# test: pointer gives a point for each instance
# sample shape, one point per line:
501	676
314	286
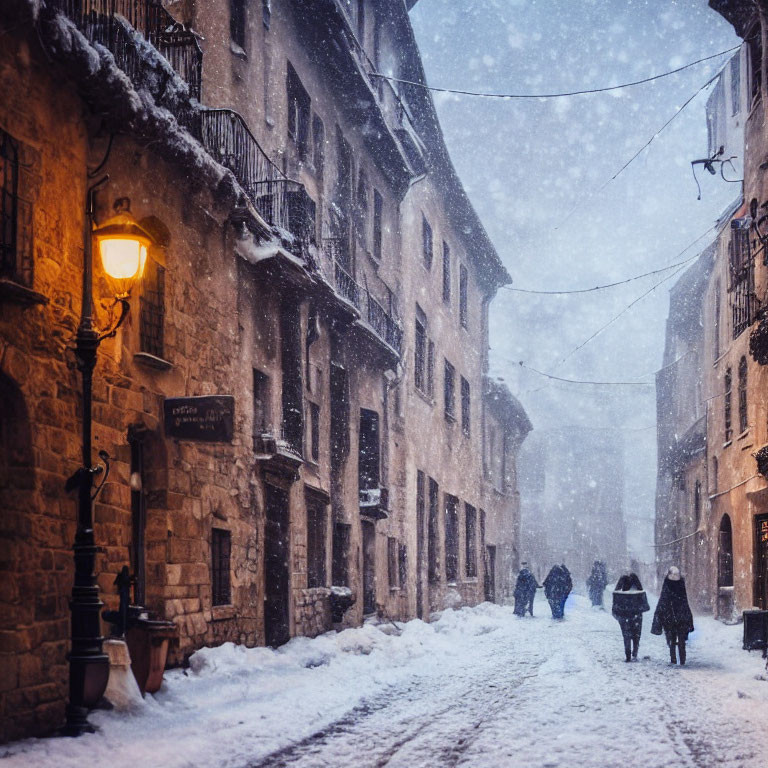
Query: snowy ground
479	687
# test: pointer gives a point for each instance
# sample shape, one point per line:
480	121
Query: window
446	273
402	565
345	182
426	242
292	378
430	368
318	146
340	566
735	84
727	405
470	520
221	546
315	544
419	351
314	417
755	43
725	553
392	569
697	504
152	309
463	303
237	22
433	560
742	273
713	484
15	215
451	538
362	208
361	21
298	112
368	459
378	207
266	12
465	413
716	324
449	391
260	405
743	395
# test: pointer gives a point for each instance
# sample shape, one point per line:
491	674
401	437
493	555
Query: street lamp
123	249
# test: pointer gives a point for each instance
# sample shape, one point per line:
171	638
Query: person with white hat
673	614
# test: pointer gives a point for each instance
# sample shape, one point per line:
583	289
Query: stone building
717	527
315	270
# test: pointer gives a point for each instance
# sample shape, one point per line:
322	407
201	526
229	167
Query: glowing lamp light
123	245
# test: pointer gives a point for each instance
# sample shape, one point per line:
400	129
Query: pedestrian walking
557	587
525	591
673	614
629	604
597	581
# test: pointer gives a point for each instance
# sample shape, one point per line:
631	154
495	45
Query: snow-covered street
479	687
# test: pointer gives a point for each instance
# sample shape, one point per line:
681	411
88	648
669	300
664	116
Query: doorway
369	567
276	574
490	574
761	561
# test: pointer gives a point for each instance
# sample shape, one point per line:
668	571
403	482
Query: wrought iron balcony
346	285
383	325
283	203
104	22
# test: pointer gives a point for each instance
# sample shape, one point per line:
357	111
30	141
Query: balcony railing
346	286
383	325
283	203
103	22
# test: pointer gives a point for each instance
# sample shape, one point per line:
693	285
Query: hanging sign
208	418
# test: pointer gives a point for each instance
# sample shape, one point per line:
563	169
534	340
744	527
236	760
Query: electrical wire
599	287
580	381
634	157
639	298
552	95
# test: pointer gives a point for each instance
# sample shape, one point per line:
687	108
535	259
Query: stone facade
287	271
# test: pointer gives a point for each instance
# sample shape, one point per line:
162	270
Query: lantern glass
123	258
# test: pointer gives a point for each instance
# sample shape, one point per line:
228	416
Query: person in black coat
629	604
525	591
557	587
597	582
673	614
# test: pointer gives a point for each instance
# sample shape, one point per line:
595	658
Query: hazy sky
527	163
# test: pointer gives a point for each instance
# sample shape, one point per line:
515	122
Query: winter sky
536	171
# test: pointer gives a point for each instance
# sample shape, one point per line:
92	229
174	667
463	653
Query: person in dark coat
597	582
525	591
629	604
557	587
673	615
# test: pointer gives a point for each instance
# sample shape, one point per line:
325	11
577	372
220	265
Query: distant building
572	498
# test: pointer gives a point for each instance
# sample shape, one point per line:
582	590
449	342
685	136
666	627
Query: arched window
725	554
742	395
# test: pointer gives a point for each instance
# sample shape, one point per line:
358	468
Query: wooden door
369	567
761	561
276	573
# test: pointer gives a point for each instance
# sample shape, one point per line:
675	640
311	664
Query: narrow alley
478	687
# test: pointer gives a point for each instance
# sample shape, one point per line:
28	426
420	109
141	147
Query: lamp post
123	247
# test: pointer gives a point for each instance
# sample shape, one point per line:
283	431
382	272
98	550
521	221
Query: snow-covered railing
103	22
283	203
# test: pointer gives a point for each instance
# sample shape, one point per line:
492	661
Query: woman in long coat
525	591
629	604
557	587
673	614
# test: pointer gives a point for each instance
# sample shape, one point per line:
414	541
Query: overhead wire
598	287
581	381
555	95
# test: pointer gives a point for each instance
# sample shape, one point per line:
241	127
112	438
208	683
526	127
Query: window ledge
222	612
152	361
727	443
237	51
17	293
425	397
743	434
394	589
